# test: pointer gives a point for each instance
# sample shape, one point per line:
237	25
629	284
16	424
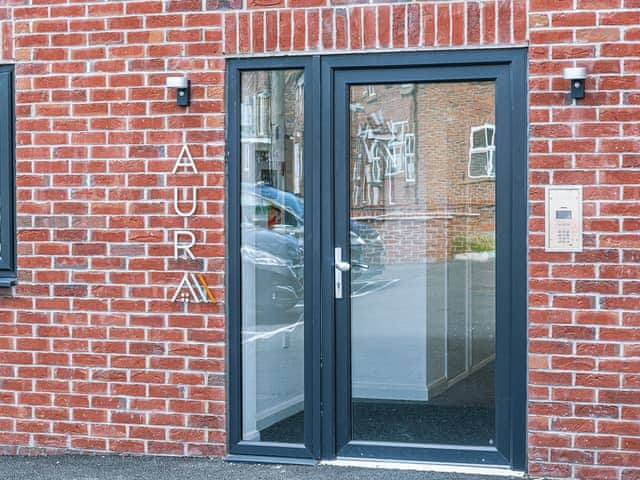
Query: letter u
194	201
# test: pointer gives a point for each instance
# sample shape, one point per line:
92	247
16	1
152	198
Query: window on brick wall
7	177
482	152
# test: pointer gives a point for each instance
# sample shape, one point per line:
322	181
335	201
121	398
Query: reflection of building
272	124
410	145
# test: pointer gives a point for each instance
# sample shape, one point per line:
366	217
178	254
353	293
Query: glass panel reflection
423	255
272	127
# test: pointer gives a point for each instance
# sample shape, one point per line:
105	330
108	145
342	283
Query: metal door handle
340	267
343	266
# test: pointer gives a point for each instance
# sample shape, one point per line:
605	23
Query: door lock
340	267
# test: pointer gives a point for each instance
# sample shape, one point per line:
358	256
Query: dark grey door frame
507	67
240	449
326	185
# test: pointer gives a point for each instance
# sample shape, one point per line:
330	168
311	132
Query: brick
443	23
285	30
413	24
355	28
489	22
594	473
384	25
327	28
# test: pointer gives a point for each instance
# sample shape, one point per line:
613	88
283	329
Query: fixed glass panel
422	235
272	253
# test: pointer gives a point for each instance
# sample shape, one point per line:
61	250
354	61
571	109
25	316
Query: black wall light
577	76
183	90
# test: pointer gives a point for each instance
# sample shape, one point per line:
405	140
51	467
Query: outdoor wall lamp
183	90
577	76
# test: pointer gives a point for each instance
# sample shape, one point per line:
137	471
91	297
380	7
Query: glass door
376	269
423	235
422	248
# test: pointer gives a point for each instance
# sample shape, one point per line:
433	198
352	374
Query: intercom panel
563	218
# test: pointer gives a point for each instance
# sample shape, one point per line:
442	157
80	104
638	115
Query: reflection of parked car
367	248
272	251
273	243
276	261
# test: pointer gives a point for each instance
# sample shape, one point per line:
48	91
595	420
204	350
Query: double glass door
376	256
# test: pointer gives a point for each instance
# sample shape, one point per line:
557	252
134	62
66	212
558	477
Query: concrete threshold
113	467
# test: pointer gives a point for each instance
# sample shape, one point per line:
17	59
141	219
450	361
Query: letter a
185	160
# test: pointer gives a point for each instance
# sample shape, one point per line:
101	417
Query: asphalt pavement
89	467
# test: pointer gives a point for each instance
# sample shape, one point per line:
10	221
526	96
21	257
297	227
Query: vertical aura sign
193	287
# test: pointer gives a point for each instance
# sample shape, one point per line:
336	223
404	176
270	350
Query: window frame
7	176
240	449
489	150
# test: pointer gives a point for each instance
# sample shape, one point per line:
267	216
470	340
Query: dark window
7	177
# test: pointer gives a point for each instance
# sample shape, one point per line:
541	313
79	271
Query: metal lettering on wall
193	287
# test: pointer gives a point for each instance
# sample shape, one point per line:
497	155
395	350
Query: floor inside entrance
463	415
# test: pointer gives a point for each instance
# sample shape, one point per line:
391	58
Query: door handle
340	267
343	266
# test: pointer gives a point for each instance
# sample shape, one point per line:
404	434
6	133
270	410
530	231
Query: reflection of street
265	333
360	288
425	324
273	321
275	348
413	327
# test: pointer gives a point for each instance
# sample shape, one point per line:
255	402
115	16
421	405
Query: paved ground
83	467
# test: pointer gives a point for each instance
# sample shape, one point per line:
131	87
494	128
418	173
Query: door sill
425	467
269	459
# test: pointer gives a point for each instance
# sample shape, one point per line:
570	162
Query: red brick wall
584	358
94	356
327	26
